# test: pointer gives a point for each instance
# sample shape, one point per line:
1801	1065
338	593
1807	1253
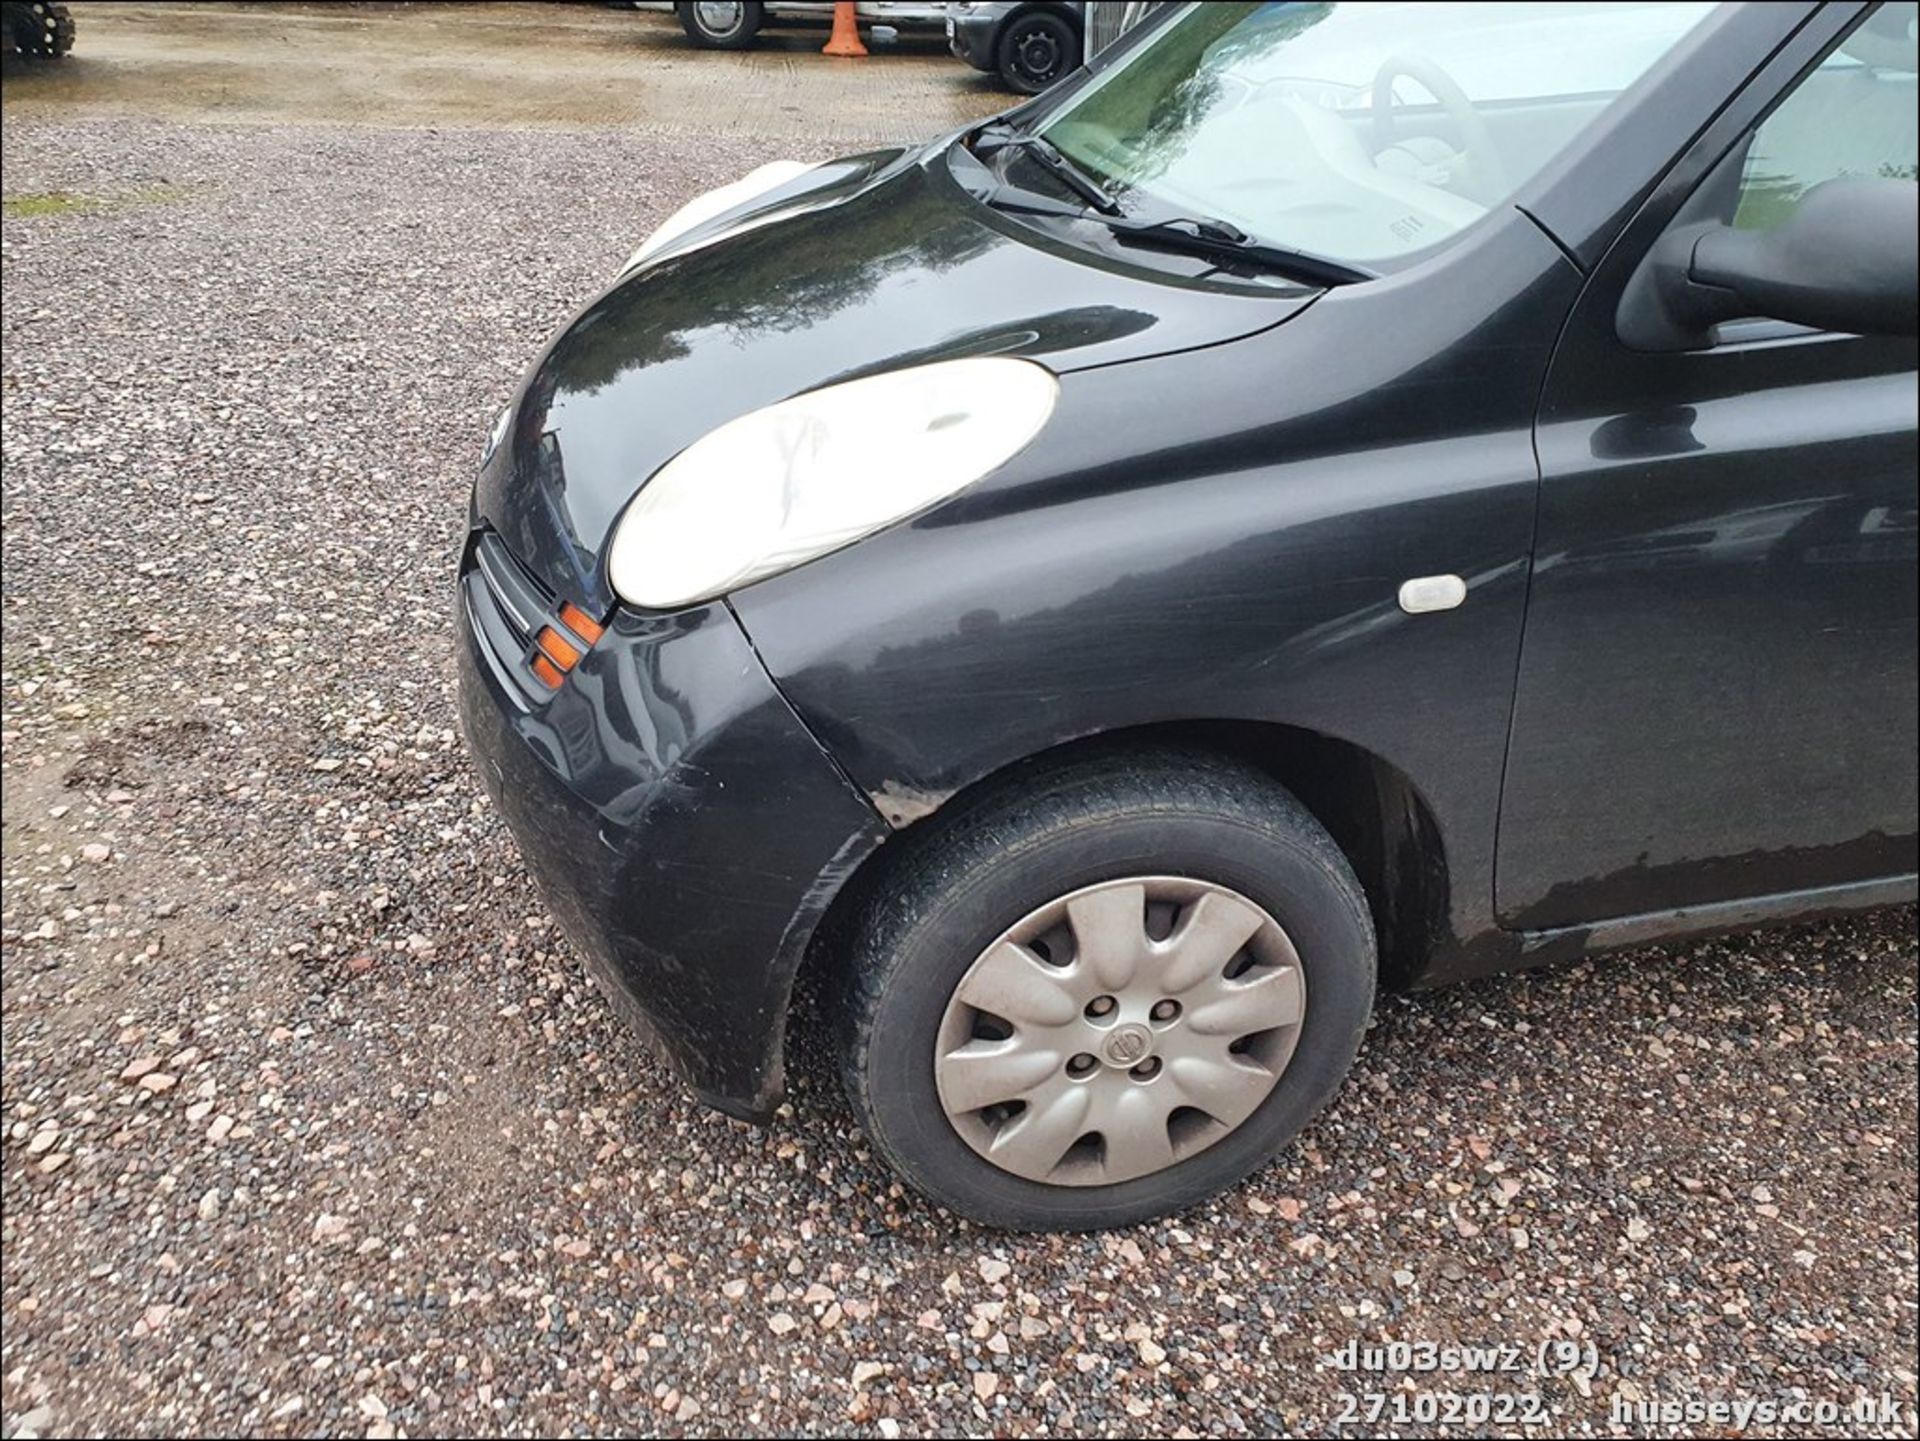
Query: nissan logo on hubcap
1128	1045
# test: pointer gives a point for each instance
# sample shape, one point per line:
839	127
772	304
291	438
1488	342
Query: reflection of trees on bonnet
787	276
1172	89
1071	328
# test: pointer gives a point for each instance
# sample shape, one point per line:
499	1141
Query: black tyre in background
721	26
1037	46
38	29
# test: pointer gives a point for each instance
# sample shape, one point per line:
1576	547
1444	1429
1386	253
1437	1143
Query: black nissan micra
1331	496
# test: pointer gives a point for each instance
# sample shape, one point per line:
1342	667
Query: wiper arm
1213	239
1226	241
1217	239
1049	158
1068	174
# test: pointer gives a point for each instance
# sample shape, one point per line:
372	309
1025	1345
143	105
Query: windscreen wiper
1220	239
1049	158
1205	237
1209	239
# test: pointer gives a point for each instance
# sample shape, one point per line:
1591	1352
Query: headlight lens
784	485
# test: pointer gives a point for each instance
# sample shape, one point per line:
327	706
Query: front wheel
1107	993
719	26
1036	48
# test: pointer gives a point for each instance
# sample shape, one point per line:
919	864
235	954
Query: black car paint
1230	571
640	794
1209	532
1763	490
918	272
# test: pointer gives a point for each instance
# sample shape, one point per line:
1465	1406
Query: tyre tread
1030	805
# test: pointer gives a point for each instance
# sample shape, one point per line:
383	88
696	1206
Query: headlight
703	208
784	485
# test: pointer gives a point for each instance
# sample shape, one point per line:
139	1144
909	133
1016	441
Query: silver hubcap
719	19
1118	1030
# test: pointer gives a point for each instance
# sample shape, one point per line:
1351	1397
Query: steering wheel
1486	176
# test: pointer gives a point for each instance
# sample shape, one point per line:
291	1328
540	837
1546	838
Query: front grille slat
510	609
494	638
521	598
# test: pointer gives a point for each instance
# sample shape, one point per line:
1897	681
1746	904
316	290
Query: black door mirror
1848	259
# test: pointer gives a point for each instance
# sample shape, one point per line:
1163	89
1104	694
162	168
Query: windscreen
1360	132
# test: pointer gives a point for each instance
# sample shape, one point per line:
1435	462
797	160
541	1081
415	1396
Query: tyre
1036	48
41	30
1105	991
721	26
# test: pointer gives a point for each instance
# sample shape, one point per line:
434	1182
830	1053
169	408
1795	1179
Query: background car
1028	45
735	24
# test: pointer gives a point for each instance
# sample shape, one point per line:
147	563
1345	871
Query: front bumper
971	38
683	826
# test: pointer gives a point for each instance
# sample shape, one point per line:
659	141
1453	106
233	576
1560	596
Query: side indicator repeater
1427	593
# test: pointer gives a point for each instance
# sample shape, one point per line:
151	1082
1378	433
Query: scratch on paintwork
902	805
827	884
793	940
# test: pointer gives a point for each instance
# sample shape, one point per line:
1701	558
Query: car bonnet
895	266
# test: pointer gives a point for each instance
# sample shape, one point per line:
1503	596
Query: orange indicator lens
580	623
561	651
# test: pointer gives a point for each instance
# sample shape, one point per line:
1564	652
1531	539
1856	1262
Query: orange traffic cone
846	34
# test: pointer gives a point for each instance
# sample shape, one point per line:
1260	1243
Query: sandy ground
490	65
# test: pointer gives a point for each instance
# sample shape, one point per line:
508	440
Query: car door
1716	692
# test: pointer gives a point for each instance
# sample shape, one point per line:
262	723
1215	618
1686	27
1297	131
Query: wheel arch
1373	810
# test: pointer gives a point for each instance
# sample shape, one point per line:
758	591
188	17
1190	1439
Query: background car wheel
721	26
42	30
1036	48
1106	990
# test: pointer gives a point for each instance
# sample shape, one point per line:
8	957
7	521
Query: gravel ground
313	1125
